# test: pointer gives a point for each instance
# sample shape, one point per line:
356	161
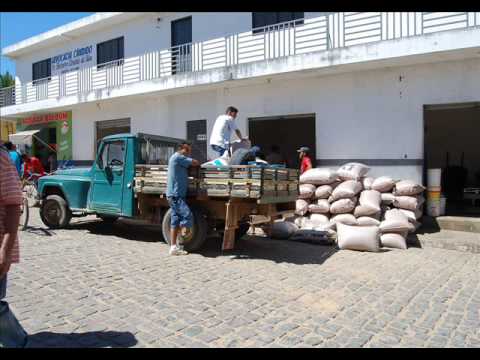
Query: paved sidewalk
100	286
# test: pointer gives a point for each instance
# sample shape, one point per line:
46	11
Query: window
41	70
262	19
113	154
109	51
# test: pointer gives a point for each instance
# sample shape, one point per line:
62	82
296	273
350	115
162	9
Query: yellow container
433	195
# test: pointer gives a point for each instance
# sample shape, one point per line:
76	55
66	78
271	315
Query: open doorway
452	144
289	133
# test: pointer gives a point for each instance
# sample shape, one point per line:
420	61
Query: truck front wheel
55	213
199	231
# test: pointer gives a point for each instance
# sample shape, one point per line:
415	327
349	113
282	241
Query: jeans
181	214
12	333
220	150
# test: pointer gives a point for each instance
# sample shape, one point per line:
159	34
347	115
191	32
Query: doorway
181	31
289	133
451	144
197	135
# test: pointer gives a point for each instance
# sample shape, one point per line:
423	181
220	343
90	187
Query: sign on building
72	60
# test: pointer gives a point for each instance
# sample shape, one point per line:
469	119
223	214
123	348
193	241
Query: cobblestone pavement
94	285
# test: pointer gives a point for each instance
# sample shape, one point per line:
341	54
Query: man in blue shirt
14	156
177	186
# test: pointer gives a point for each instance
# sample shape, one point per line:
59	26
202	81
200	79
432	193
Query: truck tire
200	228
55	213
241	157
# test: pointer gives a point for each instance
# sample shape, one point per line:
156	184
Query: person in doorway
305	161
15	157
275	157
32	167
177	185
52	162
222	131
11	332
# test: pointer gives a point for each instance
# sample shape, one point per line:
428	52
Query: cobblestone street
94	285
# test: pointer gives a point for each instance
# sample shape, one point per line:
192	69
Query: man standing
11	332
32	165
222	131
177	186
305	161
14	156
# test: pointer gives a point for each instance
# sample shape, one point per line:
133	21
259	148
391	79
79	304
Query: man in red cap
305	161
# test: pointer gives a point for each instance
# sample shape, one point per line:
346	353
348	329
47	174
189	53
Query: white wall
360	115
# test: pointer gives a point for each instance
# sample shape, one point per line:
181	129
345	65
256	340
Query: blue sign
72	60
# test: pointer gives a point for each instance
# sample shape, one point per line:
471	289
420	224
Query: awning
23	137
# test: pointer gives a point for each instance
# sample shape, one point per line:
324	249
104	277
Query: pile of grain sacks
364	213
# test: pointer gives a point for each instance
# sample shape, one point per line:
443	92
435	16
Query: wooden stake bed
231	193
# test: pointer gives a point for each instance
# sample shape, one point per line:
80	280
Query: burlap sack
283	229
370	199
394	240
352	171
343	206
347	219
367	221
363	238
301	207
412	203
323	192
318	176
383	184
387	198
346	190
321	207
407	188
319	219
367	183
306	191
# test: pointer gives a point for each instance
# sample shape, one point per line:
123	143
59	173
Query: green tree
6	80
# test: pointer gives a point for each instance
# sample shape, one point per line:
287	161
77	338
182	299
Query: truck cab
105	188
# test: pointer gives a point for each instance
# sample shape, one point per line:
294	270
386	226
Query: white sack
383	184
306	191
395	222
283	229
367	183
412	215
362	210
394	240
412	203
343	206
347	189
387	198
352	171
370	199
347	219
302	222
363	238
407	188
321	207
367	221
323	191
301	206
318	176
319	219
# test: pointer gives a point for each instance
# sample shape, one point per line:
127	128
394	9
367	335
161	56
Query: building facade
352	86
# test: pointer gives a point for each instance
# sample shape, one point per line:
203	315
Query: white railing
301	36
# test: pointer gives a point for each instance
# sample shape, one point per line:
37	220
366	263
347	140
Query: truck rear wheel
55	213
199	231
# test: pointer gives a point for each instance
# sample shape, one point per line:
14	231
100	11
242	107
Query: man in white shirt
222	131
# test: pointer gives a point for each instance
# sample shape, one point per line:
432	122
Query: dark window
181	44
42	70
109	51
262	19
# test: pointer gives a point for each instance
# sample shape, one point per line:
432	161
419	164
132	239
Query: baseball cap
304	149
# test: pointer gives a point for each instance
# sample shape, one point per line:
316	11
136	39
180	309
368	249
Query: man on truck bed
177	185
222	131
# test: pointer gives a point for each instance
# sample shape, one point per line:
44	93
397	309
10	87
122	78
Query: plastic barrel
434	178
433	207
443	205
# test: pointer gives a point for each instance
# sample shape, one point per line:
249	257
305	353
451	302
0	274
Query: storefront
52	139
7	127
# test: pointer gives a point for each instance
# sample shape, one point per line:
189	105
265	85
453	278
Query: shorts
181	214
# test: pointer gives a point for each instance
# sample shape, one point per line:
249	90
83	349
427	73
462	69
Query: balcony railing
336	30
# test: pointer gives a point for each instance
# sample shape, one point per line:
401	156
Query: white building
352	86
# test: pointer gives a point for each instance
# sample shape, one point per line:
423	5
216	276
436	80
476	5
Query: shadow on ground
95	339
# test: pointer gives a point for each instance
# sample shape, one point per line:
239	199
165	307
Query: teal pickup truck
128	180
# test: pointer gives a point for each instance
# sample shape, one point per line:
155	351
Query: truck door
108	177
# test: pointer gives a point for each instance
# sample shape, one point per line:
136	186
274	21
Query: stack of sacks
394	229
349	197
